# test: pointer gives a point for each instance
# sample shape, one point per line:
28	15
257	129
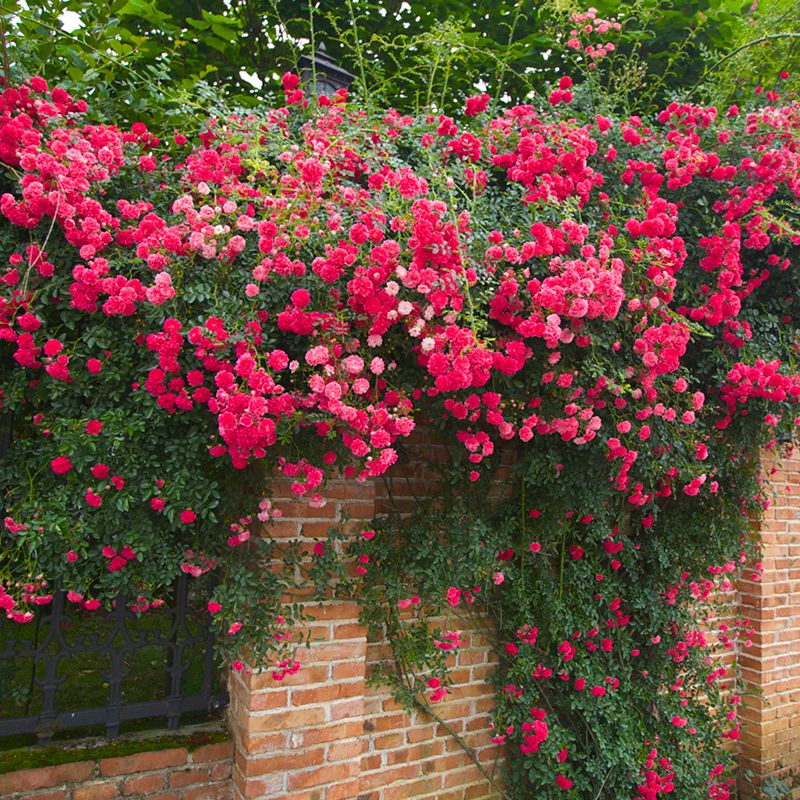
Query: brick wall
325	733
174	774
382	753
414	756
770	740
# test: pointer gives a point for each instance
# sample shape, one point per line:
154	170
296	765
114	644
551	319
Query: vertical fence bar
175	651
114	702
51	622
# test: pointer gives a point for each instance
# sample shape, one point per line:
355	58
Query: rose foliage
609	302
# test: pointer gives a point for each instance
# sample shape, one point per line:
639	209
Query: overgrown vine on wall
296	292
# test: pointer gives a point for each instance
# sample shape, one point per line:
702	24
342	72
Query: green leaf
227	33
198	24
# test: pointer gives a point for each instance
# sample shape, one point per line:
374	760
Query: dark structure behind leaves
73	669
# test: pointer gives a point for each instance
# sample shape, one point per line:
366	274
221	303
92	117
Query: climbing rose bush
293	294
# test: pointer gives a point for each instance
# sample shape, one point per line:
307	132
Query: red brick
349	790
221	791
323	775
285	762
27	779
283	720
343	670
330	511
414	789
391	722
263	743
188	777
318	631
346	709
353	630
58	794
285	529
323	694
459	777
479	724
95	791
143	784
455	710
264	701
344	730
258	787
420	733
337	611
221	771
386	777
371	762
479	791
212	752
361	509
339	651
339	751
418	752
389	741
144	762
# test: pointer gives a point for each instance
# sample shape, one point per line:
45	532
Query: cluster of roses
350	289
588	24
418	284
615	642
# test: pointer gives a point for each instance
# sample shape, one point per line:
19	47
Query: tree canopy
154	59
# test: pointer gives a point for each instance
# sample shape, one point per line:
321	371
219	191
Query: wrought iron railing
158	665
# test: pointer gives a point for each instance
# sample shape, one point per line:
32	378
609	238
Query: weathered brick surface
29	779
326	733
770	741
339	738
143	784
143	762
212	752
96	791
172	774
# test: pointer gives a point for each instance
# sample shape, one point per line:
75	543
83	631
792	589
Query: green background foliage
161	60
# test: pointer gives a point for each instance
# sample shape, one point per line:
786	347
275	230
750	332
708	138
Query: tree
151	59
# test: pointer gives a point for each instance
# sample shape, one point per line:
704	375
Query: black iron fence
76	669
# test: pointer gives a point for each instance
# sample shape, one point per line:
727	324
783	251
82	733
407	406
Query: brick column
321	734
298	738
770	740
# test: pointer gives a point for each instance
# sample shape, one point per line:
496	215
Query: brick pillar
299	738
770	740
320	734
